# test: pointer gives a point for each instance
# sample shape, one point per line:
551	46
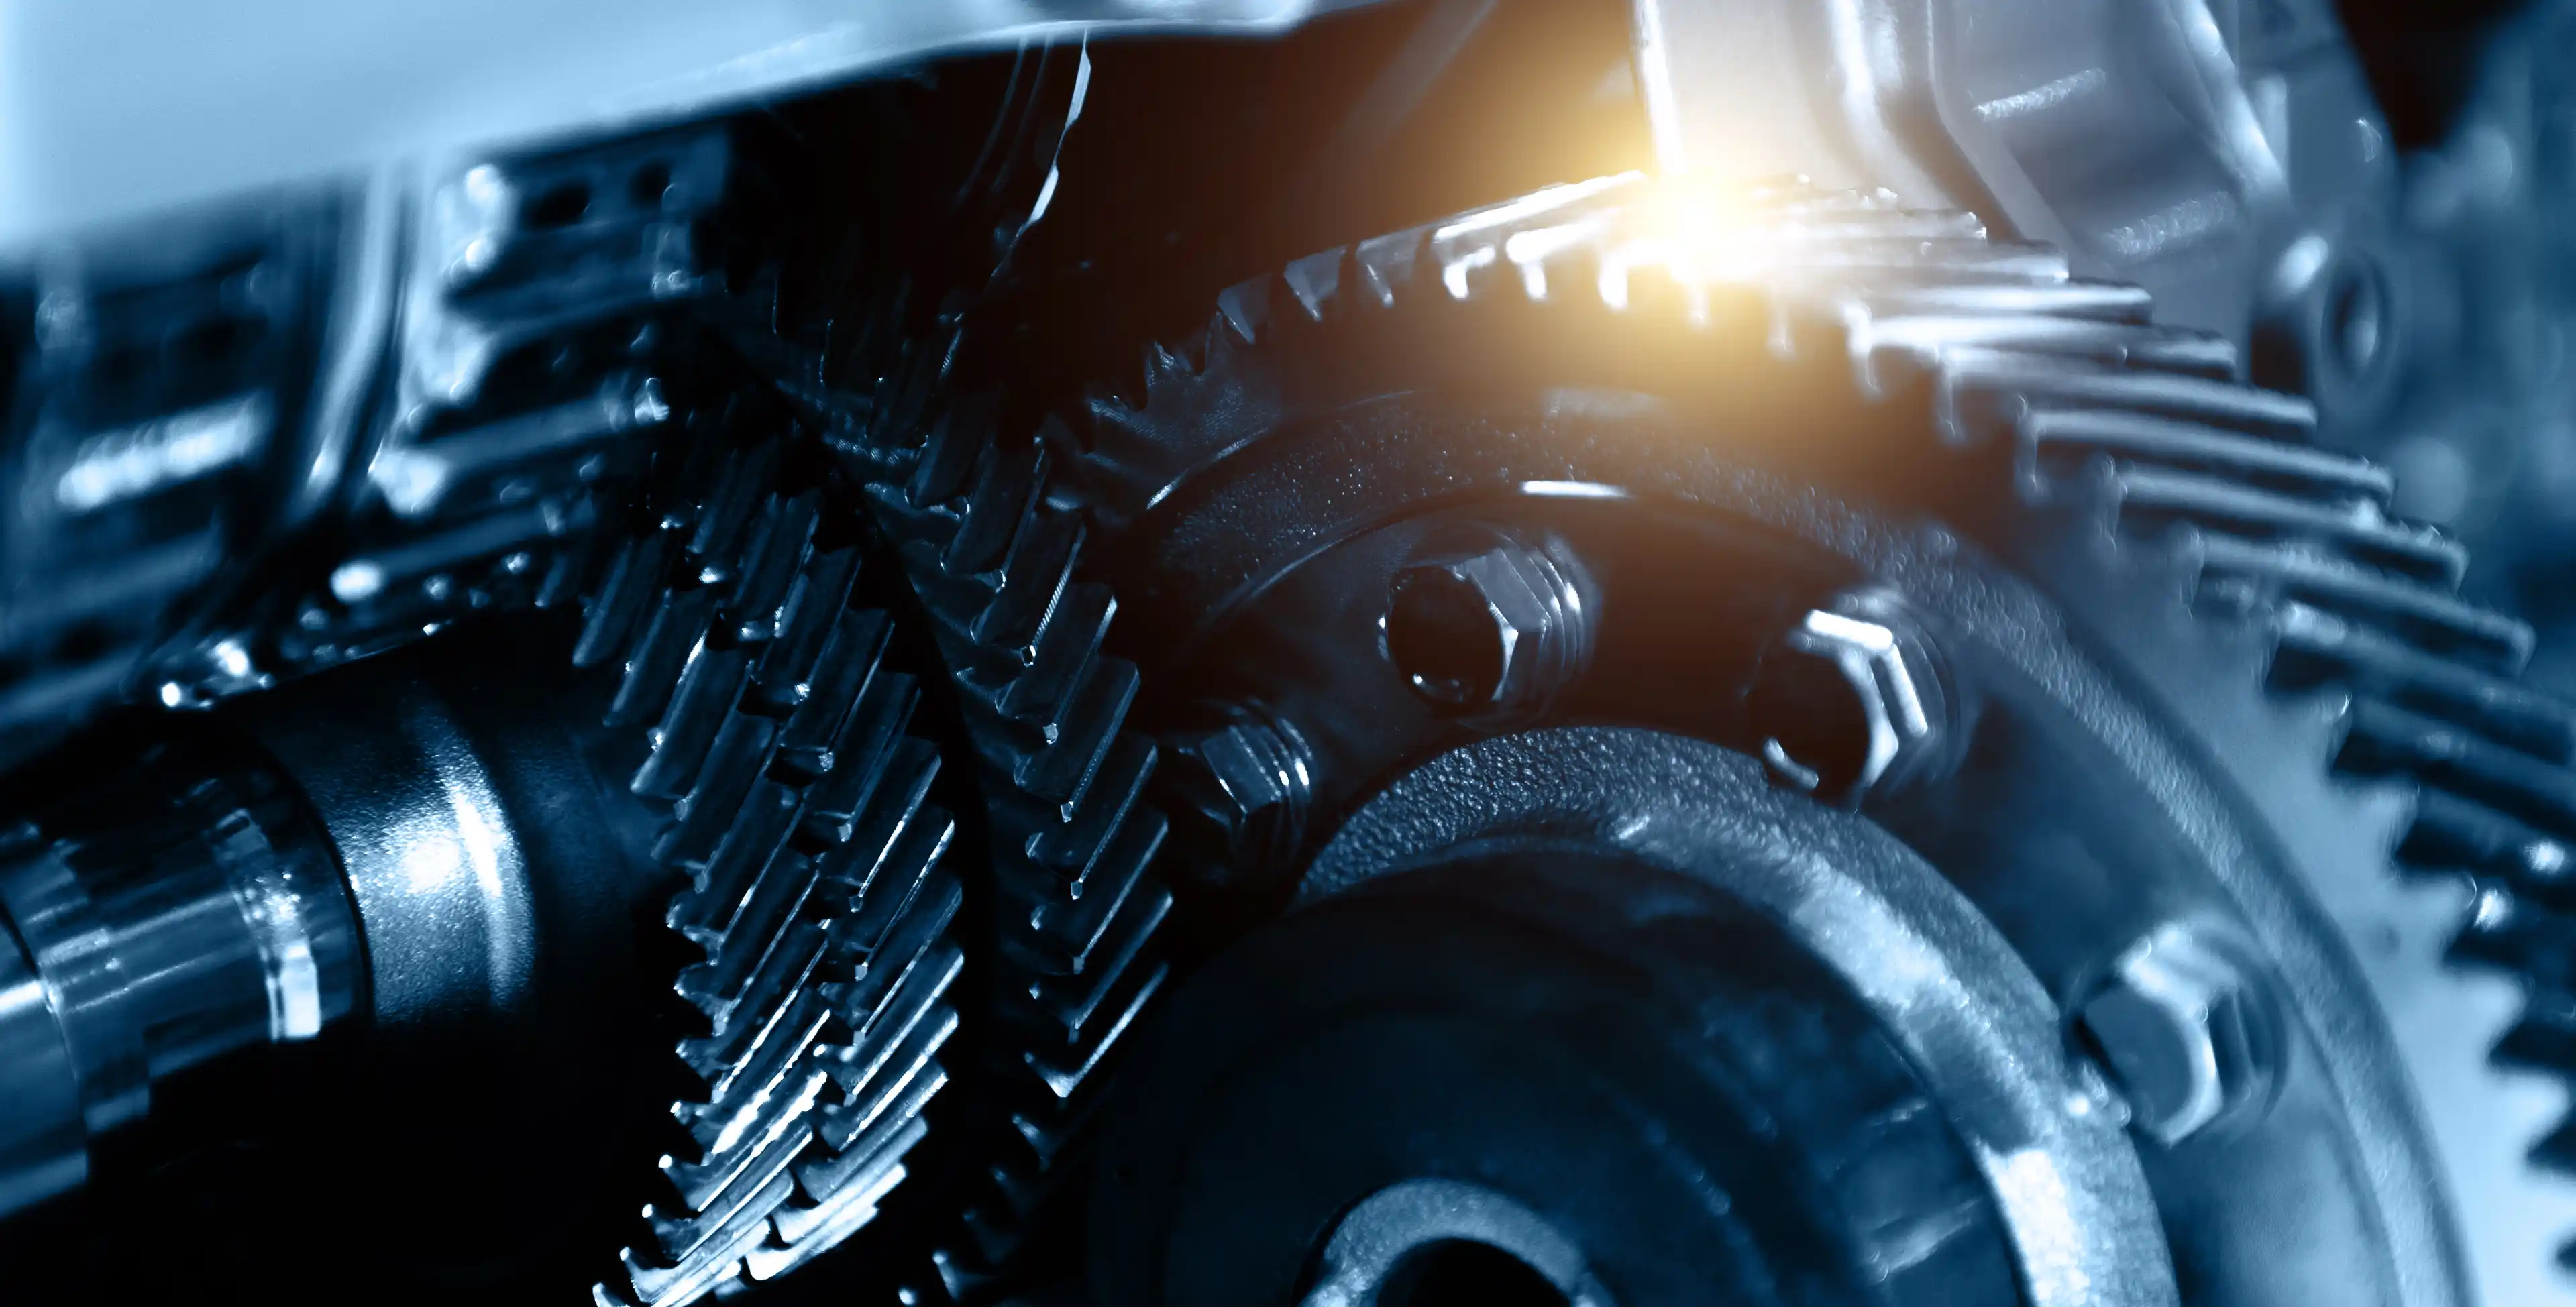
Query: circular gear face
2171	641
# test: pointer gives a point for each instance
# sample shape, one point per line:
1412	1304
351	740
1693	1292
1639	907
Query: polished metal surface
2186	1033
1853	699
433	864
1488	626
1251	782
190	914
43	1136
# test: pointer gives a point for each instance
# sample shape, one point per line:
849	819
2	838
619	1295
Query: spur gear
2251	587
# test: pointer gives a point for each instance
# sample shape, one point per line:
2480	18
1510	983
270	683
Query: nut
1486	625
1853	700
2185	1033
1248	785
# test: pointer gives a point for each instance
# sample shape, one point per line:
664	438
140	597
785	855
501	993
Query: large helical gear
2433	791
817	871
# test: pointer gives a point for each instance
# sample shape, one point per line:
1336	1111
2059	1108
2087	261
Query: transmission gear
2197	548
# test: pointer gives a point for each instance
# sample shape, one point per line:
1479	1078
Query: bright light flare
1697	232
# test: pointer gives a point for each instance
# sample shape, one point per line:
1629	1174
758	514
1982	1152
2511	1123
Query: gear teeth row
819	896
996	556
2097	409
2296	544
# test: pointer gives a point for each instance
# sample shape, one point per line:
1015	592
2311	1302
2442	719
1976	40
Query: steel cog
818	879
2312	642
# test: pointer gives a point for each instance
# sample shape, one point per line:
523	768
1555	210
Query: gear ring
2102	420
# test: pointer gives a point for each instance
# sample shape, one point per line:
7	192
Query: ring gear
2294	579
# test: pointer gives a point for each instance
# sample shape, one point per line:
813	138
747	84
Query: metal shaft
190	911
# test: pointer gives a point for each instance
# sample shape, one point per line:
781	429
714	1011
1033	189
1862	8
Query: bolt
1244	789
2186	1034
1486	625
1853	701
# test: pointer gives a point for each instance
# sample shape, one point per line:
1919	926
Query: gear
994	555
2107	428
818	888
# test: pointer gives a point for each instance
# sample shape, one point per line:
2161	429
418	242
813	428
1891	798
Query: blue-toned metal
121	108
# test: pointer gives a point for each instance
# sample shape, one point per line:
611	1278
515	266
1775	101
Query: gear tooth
1168	368
777	546
728	509
710	683
1316	281
2450	835
806	1229
756	930
762	1117
878	1033
680	1238
673	1286
902	942
948	459
764	1016
1034	575
1063	659
1245	308
1104	1021
959	1277
2385	738
762	818
1064	768
2049	341
2181	445
2055	384
814	603
624	596
1072	849
893	806
1384	266
1076	1001
2257	573
1074	930
2516	1251
897	1072
871	747
852	655
678	624
2154	497
2099	301
1004	482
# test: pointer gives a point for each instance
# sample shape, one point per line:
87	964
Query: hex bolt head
1854	700
1486	625
2187	1034
1244	790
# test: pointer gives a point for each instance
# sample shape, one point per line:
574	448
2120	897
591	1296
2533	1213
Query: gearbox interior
1182	653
